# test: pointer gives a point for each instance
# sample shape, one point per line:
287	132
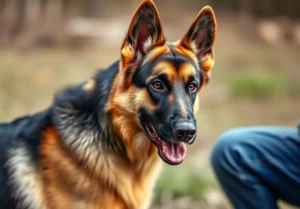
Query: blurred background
46	45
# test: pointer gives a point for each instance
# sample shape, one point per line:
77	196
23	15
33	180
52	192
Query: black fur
27	131
76	112
167	114
88	110
84	124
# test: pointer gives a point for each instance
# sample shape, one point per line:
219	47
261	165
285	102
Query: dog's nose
185	131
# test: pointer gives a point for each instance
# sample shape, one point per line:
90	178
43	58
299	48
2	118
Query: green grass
258	85
184	180
29	78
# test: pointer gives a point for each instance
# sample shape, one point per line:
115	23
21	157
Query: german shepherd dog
101	143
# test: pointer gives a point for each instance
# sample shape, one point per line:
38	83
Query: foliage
258	85
186	181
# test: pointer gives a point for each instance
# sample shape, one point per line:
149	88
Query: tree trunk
20	17
246	15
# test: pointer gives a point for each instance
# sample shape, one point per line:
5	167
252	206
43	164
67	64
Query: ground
252	84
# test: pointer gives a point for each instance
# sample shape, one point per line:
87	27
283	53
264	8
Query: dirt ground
29	76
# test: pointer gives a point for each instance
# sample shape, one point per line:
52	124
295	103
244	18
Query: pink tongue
174	152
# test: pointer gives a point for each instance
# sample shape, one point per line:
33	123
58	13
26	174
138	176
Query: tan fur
186	52
158	51
186	70
25	178
116	184
171	98
196	104
206	63
186	47
90	85
105	179
166	68
128	55
183	109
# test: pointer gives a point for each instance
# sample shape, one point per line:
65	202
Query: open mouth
172	153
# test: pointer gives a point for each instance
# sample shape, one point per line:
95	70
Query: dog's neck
106	141
90	130
98	140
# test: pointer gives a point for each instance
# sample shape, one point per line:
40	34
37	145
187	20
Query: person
256	166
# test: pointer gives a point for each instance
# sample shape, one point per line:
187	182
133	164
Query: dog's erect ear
144	33
200	38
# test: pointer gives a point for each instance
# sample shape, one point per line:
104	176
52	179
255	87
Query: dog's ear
200	38
144	33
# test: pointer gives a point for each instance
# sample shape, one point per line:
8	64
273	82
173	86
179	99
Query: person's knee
225	146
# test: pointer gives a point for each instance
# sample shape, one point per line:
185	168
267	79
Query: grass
258	85
251	96
184	180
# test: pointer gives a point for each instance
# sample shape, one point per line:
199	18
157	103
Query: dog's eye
157	85
192	87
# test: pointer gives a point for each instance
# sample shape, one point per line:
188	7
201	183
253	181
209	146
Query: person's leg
258	165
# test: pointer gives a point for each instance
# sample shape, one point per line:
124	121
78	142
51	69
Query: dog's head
160	81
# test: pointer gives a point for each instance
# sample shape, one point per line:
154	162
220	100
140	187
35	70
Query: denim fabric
299	128
256	166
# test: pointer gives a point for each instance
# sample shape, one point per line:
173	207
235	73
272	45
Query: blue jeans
256	166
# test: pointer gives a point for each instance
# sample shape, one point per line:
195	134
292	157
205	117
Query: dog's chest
120	190
121	193
114	185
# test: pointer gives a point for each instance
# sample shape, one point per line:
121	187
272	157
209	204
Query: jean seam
262	200
272	161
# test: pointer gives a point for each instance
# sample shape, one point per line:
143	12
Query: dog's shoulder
26	129
19	141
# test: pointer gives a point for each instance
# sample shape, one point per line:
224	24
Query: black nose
185	131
